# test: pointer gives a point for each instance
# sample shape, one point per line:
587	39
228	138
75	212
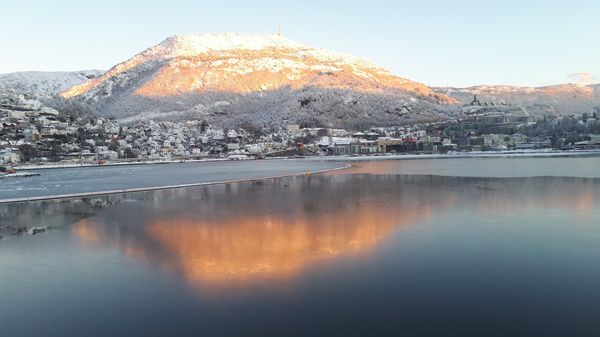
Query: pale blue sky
457	43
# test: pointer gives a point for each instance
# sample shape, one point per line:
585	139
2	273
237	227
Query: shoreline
469	155
377	157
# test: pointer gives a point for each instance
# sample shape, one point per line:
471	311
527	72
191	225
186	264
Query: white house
7	156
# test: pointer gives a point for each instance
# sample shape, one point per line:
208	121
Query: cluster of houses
106	140
32	132
421	140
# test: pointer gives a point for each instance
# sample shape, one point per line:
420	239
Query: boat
7	170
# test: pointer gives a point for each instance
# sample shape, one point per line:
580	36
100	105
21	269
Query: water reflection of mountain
241	233
253	231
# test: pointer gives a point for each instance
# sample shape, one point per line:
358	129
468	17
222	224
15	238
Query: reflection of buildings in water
47	213
249	232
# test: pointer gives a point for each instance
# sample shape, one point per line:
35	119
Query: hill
230	79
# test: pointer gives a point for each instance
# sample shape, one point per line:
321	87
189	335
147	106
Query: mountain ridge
554	99
190	74
43	84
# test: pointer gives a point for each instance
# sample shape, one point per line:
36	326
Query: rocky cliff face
267	79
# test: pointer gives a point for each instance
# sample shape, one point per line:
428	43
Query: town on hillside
36	134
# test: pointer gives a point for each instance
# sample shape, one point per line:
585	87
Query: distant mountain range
266	80
39	84
554	99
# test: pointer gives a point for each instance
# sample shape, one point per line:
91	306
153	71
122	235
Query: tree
572	139
322	133
307	139
129	153
28	152
252	129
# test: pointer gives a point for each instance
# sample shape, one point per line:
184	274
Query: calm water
380	249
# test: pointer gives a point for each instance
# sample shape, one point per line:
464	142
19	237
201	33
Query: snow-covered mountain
554	99
266	79
38	84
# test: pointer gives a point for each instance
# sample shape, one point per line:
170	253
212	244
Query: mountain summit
264	79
